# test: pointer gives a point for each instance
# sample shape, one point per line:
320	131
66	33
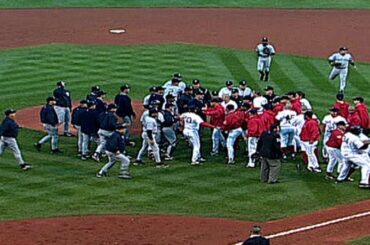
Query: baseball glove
266	51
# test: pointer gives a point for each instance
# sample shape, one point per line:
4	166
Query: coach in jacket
268	148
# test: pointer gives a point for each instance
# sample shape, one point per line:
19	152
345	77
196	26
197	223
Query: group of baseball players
235	113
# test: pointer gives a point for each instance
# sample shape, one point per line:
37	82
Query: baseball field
60	201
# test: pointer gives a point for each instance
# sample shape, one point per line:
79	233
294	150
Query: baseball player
226	90
8	138
173	88
77	124
342	105
191	123
355	152
63	106
362	112
146	98
100	105
254	126
115	148
125	110
226	100
269	95
150	130
333	146
217	114
259	101
93	94
340	62
306	105
184	99
168	130
197	86
329	124
287	130
295	101
244	90
181	83
89	128
265	51
50	121
310	137
108	122
234	121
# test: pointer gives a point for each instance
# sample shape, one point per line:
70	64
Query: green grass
64	185
343	4
362	241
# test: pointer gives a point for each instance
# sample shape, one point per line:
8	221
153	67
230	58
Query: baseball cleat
100	175
231	162
251	165
214	153
96	157
56	151
364	186
138	162
124	176
201	159
85	157
195	163
25	166
168	158
67	134
162	165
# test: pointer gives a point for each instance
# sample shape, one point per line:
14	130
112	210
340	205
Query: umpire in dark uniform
256	238
63	106
268	148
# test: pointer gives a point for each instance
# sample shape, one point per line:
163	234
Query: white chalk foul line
315	226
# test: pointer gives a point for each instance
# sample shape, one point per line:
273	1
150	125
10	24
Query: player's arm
272	51
207	125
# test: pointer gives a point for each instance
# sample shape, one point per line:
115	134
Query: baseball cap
269	88
170	96
196	81
343	48
100	93
247	97
90	103
50	98
308	114
359	98
61	83
341	123
334	109
243	82
83	101
217	100
253	111
160	88
152	89
234	91
152	111
187	88
95	88
125	86
246	105
9	111
199	92
264	39
175	80
214	93
177	75
229	83
340	96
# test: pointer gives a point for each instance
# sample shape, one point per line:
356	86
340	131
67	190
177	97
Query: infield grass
65	185
329	4
362	241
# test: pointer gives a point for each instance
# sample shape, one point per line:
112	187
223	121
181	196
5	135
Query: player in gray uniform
8	138
265	51
150	129
244	90
340	62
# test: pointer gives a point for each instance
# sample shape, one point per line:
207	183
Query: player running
265	51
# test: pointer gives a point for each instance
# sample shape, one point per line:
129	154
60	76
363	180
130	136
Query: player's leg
127	120
313	164
252	148
67	119
2	145
267	68
284	137
324	148
332	162
125	163
343	79
54	138
363	161
143	149
156	154
290	141
13	146
85	146
275	166
47	137
334	73
79	140
215	141
260	66
344	171
111	161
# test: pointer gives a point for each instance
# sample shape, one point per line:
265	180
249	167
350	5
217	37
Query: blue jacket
123	102
76	115
89	122
115	143
199	104
9	128
100	106
48	115
169	119
107	121
63	97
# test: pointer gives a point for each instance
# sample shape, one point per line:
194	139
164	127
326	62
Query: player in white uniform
226	100
340	62
259	101
287	130
265	52
244	90
355	152
177	76
173	88
150	129
329	125
191	123
146	98
226	90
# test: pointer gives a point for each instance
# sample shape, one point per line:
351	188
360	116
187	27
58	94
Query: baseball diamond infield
306	32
